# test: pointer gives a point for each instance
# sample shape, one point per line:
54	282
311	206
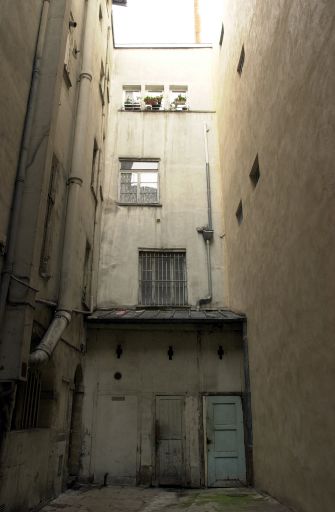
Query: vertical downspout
207	231
67	299
23	160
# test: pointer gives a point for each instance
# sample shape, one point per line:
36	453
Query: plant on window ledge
179	103
153	101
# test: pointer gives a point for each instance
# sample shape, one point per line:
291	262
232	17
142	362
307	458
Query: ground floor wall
38	458
145	402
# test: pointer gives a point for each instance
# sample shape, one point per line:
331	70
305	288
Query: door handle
209	441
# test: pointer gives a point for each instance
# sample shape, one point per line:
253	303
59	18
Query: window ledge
152	205
167	111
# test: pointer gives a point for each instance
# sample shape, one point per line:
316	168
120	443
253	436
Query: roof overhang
165	317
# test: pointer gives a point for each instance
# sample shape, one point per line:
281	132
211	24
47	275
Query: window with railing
139	182
162	278
28	397
153	99
178	97
132	97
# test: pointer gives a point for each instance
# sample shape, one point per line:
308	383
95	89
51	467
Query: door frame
246	425
155	443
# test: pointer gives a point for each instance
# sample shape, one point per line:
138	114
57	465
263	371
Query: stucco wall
18	33
146	370
177	140
280	258
26	478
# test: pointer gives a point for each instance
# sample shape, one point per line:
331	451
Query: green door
225	441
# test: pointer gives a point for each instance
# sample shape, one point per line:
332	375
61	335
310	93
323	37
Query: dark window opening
48	236
239	213
221	35
241	61
87	276
255	172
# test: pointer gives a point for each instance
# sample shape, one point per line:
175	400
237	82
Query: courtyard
141	499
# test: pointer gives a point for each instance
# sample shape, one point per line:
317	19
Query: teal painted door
225	441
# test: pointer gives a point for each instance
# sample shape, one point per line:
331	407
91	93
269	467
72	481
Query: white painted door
115	439
225	441
170	434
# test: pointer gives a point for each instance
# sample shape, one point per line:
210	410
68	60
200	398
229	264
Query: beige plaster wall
27	479
146	370
177	140
19	24
280	259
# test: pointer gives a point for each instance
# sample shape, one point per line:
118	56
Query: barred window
139	182
162	278
26	413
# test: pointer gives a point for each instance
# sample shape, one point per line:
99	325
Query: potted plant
153	101
180	100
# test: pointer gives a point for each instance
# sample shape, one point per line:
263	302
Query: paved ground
140	499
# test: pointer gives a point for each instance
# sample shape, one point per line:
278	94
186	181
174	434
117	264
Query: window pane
128	187
128	165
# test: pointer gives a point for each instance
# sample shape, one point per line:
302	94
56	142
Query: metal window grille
162	278
139	182
28	402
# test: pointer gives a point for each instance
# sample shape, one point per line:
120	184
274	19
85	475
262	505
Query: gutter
63	315
207	231
22	164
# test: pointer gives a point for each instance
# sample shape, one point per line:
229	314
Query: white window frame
139	172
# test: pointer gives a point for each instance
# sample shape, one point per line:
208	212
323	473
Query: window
241	61
162	278
102	82
87	276
255	172
239	213
178	97
132	97
153	98
27	402
95	169
221	35
70	51
48	236
139	182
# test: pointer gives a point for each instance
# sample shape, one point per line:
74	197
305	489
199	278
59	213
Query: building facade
275	111
164	357
59	97
165	230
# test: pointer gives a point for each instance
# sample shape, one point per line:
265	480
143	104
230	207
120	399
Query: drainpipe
23	160
67	291
207	231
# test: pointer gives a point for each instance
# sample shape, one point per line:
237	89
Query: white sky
163	21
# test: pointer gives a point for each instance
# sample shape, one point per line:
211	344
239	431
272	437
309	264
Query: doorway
225	442
170	440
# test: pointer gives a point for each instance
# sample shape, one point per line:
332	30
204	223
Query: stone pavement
141	499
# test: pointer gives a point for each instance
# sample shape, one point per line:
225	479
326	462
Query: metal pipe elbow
44	350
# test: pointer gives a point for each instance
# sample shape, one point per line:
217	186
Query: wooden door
170	435
115	440
225	441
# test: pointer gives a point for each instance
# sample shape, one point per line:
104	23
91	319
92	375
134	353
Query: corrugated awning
165	316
